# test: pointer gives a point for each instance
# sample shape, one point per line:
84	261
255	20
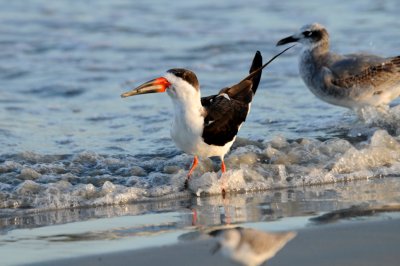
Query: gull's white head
310	35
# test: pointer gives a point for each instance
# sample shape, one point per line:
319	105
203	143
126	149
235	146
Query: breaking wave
42	182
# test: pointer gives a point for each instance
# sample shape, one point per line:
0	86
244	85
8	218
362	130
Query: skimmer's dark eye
307	33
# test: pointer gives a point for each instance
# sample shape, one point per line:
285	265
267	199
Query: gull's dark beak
152	86
287	40
216	248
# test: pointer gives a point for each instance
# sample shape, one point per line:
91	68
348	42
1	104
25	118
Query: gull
353	81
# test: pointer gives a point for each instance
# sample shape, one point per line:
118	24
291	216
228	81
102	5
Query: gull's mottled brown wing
372	79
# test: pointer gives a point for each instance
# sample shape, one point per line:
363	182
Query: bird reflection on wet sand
248	246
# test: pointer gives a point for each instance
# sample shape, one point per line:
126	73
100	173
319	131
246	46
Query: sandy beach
363	243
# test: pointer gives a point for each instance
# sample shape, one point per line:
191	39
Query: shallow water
67	139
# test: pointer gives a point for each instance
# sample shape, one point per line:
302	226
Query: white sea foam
31	180
306	162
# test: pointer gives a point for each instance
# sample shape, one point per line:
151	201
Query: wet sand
363	242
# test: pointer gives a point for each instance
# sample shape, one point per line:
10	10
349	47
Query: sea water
68	141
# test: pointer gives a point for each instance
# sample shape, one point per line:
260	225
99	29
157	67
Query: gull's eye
307	33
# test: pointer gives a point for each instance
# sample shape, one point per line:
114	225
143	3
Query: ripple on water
56	90
102	118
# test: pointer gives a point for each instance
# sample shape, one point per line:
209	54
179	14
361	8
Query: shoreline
188	196
363	243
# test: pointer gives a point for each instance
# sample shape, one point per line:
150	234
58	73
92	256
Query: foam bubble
28	174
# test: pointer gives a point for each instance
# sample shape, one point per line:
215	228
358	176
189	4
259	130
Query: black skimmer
352	81
205	127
